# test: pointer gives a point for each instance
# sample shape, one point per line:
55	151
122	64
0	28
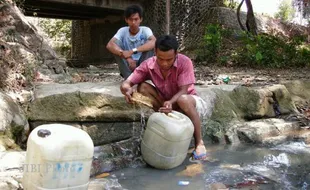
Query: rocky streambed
261	110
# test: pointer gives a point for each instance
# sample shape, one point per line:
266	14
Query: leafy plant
211	45
241	48
271	51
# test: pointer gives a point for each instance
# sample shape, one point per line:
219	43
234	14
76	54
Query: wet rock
115	156
13	123
262	131
231	135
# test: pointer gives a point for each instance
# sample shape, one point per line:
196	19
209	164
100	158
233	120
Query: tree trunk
250	20
238	16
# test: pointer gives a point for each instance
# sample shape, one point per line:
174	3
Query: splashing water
293	147
139	131
113	184
277	161
305	186
143	125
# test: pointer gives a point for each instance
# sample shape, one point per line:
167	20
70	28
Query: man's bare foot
200	152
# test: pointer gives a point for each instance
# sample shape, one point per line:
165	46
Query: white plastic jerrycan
58	157
166	139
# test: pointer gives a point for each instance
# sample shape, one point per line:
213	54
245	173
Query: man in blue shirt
132	44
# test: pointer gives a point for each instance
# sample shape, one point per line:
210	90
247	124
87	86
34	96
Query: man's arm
167	106
183	90
114	48
149	45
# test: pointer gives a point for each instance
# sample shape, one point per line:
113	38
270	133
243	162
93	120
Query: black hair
166	43
133	9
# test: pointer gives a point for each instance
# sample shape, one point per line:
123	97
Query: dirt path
204	75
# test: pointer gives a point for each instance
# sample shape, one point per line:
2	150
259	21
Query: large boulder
81	102
243	103
299	90
260	102
13	122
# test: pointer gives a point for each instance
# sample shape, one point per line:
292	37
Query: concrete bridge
94	22
76	9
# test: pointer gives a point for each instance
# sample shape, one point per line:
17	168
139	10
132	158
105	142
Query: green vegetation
272	51
246	49
231	4
211	45
60	32
286	10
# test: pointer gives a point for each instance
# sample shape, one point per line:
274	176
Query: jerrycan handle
174	116
43	133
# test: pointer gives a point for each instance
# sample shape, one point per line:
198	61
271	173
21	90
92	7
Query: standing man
132	44
173	77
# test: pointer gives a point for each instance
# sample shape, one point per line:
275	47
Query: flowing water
285	166
245	167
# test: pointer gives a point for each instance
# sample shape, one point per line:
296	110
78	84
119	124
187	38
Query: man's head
166	48
133	17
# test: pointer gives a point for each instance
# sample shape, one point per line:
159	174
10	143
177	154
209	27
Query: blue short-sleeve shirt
129	42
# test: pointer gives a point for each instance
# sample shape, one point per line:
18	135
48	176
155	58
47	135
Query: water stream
285	166
244	166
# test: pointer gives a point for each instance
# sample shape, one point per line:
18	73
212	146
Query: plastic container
58	157
166	139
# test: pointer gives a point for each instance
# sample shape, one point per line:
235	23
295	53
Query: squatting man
172	88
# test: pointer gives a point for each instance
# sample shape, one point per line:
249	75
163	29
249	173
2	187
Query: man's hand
132	64
128	96
127	89
127	54
167	107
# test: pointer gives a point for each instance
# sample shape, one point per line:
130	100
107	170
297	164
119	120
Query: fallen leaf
102	175
192	170
218	186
